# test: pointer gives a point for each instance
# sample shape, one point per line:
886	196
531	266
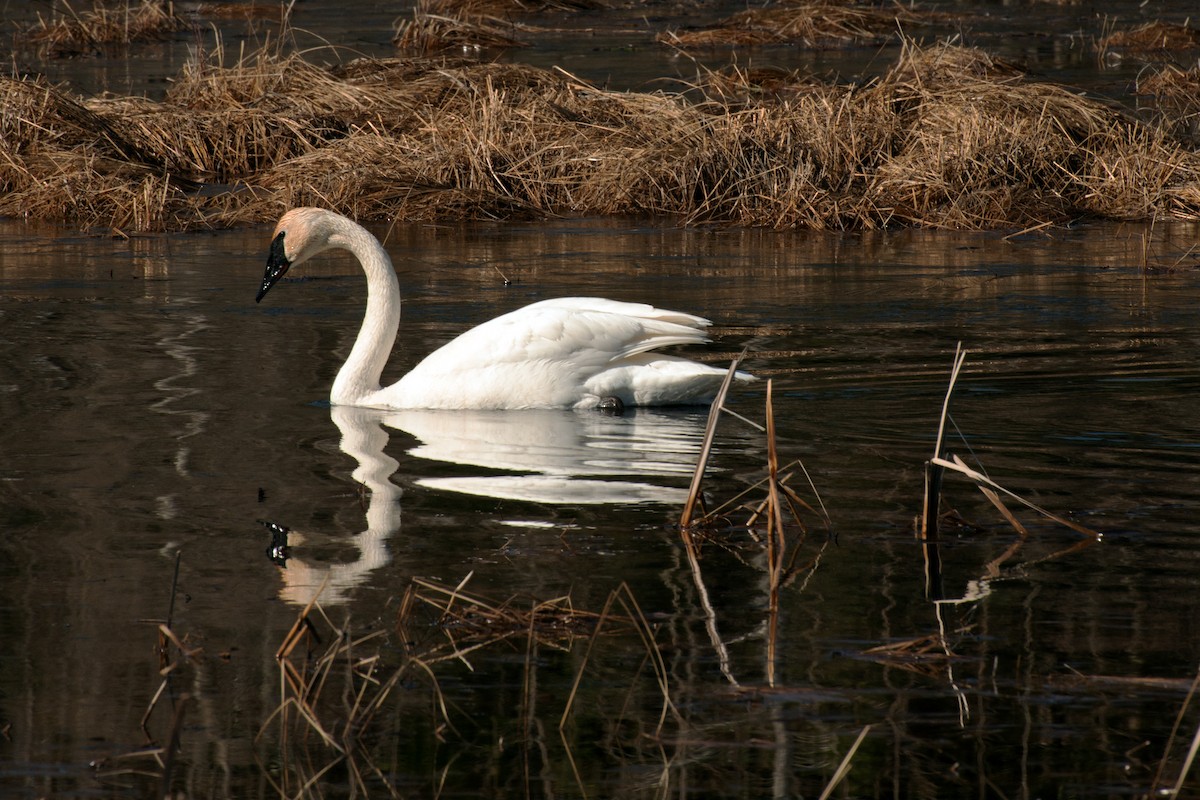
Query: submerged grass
946	136
812	24
1150	39
430	33
1176	99
102	28
338	688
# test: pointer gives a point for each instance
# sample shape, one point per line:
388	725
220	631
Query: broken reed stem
812	485
624	595
982	480
960	356
931	502
174	588
1187	701
710	612
172	748
933	473
932	555
1187	763
775	540
653	653
162	687
529	699
710	431
1003	509
844	768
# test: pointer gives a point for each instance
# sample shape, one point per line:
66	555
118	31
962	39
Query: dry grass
431	33
1152	38
103	29
61	160
822	23
735	87
334	683
468	621
982	145
1176	94
503	8
210	146
274	12
946	136
443	25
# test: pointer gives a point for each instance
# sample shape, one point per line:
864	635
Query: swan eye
277	266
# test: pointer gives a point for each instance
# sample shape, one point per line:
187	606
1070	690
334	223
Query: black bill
277	267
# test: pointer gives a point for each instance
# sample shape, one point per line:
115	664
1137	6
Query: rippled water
155	417
154	412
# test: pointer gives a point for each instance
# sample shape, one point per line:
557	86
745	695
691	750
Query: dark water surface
153	411
154	415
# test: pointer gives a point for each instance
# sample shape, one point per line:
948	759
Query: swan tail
655	380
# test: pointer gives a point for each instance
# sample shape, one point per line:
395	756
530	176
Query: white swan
569	352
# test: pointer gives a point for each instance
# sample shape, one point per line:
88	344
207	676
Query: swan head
300	234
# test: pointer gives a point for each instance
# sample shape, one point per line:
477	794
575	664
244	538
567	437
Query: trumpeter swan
562	353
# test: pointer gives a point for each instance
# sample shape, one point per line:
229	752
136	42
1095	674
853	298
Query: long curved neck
359	376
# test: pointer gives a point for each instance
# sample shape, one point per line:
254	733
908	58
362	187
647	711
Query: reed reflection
546	457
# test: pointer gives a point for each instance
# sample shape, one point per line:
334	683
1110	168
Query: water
154	412
155	418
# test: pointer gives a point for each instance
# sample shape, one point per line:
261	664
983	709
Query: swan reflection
363	439
565	456
542	456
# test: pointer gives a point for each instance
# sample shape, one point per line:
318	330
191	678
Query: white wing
544	354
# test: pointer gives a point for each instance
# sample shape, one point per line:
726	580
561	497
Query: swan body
561	353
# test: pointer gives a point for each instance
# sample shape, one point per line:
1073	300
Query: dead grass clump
430	33
84	188
503	8
103	29
467	621
814	24
968	162
735	86
1149	39
370	175
267	11
34	114
947	137
1135	172
441	25
209	146
947	62
62	161
804	163
283	85
978	149
475	143
1176	94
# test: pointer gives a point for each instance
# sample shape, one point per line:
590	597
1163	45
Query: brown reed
103	29
1176	100
1150	38
946	136
818	23
430	33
